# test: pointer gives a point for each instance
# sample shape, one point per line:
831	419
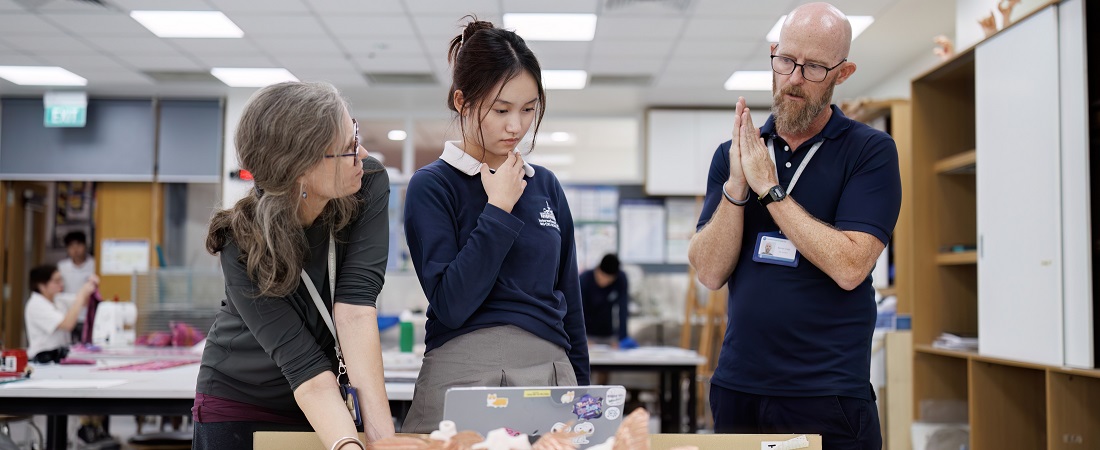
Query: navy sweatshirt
482	267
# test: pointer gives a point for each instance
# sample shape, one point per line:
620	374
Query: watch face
777	193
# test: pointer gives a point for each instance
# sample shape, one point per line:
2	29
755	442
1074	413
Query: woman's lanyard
801	166
343	369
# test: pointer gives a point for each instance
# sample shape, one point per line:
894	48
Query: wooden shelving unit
1011	404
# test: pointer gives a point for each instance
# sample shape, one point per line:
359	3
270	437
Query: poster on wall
683	214
642	232
594	240
73	212
124	256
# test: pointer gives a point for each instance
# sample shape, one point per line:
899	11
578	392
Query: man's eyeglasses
811	72
354	150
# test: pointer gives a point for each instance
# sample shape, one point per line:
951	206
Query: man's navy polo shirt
792	330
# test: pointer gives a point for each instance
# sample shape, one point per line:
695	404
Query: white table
70	390
672	365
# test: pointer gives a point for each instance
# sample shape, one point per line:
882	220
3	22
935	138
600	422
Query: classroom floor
121	429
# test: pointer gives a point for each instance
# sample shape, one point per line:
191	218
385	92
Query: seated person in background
76	270
48	320
604	289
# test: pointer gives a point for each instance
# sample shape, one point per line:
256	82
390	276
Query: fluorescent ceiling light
252	77
552	27
188	24
560	136
564	79
859	23
750	80
41	76
397	135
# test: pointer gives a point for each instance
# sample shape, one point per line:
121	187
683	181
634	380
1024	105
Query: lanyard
321	305
801	166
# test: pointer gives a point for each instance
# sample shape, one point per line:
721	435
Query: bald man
795	215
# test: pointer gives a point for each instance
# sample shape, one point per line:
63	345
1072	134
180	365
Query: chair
5	431
712	316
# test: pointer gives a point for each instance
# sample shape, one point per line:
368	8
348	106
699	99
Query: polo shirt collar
838	124
467	164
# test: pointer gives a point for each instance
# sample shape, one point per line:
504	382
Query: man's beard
789	118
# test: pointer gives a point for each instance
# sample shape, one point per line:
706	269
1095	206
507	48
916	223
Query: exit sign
66	116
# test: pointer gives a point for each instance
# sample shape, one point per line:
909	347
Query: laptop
595	411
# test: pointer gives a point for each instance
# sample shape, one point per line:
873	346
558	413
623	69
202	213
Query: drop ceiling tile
616	66
381	46
339	7
543	48
163	5
278	25
19	59
720	49
397	64
311	62
557	61
23	23
299	45
99	24
605	48
390	25
114	77
453	8
258	7
726	8
160	62
48	44
443	28
117	44
727	29
557	6
623	28
249	60
85	61
215	46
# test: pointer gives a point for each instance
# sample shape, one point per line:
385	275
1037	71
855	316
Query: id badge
351	399
773	248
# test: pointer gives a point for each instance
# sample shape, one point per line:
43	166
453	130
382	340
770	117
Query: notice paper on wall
642	231
124	256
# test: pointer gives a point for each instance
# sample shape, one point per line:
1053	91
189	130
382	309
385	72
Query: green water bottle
406	343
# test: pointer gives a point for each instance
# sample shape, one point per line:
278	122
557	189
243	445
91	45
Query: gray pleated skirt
497	356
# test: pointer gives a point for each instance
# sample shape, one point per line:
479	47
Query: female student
315	218
491	238
49	322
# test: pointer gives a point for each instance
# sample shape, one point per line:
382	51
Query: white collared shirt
42	318
467	164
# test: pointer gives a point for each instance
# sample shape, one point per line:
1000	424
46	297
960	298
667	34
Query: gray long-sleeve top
260	349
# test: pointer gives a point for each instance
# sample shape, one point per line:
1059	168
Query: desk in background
672	364
85	390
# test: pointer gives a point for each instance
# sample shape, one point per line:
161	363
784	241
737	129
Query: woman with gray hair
287	351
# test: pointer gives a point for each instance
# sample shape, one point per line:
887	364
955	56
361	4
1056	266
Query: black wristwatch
775	194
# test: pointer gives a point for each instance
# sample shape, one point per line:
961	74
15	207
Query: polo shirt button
786	148
788	165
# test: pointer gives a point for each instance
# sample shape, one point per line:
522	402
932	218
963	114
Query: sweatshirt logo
547	218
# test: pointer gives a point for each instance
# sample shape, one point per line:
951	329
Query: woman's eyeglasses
354	150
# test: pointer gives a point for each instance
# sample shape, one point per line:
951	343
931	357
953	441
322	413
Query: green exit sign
66	116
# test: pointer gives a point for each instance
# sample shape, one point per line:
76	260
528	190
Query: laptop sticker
494	402
588	408
616	396
568	397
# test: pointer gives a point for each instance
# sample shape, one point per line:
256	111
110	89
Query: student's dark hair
75	236
41	275
284	131
481	57
610	264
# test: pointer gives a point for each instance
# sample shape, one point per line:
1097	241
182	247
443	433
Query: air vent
619	6
619	80
168	76
401	79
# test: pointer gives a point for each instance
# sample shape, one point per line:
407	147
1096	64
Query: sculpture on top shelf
944	48
989	23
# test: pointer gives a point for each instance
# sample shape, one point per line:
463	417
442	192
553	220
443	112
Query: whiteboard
680	144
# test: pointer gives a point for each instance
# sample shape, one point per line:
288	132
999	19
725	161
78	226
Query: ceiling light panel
41	76
188	24
552	27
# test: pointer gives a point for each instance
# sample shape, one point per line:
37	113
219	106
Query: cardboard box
276	440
